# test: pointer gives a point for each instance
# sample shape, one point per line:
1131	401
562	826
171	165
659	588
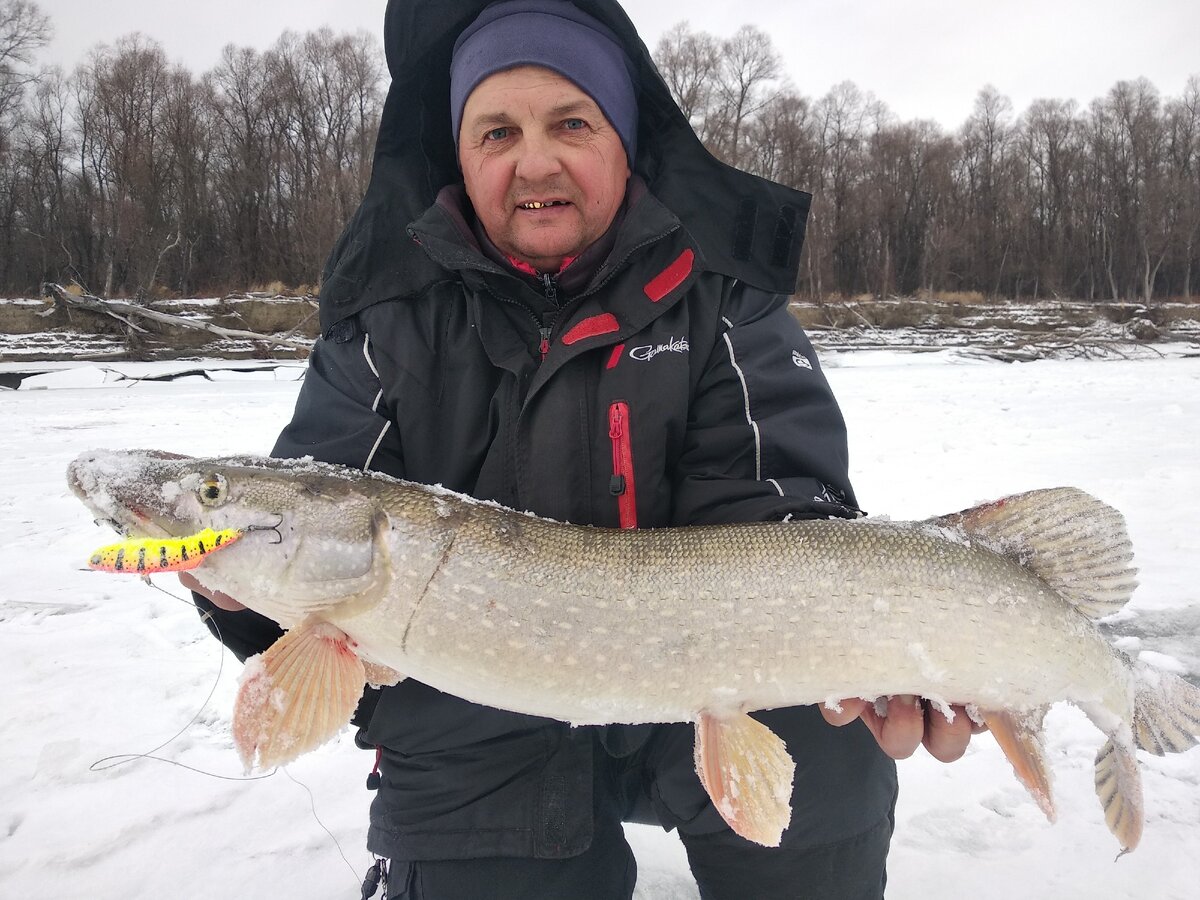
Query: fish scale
775	639
377	579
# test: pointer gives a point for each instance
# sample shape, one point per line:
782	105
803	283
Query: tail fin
1166	712
1072	541
1166	719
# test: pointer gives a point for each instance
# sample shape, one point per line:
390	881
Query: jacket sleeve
339	418
765	438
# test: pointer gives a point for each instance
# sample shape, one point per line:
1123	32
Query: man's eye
496	134
574	124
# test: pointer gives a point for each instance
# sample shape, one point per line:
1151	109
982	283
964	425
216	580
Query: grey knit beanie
558	36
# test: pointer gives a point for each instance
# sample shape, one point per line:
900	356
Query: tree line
1096	202
135	177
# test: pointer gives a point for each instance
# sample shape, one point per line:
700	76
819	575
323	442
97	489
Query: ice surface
95	665
1162	661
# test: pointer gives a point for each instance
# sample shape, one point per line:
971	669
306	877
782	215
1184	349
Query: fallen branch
118	309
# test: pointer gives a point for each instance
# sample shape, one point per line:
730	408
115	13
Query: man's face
544	169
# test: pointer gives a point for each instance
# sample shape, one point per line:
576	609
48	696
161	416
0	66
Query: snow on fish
994	607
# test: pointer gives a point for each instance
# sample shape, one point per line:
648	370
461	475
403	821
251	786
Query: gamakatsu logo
643	354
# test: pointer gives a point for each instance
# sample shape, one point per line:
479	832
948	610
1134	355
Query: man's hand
909	723
222	601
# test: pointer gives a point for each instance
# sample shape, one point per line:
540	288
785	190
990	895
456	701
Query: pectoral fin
297	695
748	773
1020	737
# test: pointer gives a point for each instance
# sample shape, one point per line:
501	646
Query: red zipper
621	485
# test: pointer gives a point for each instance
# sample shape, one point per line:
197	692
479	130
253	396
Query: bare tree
1050	145
689	63
42	149
245	136
1134	216
123	96
24	30
325	88
784	143
749	68
1183	160
844	117
985	141
909	178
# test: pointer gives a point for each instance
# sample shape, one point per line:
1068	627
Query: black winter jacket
671	389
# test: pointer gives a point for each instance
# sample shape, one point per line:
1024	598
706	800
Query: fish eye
214	490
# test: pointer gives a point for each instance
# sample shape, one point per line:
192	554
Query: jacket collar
571	279
445	233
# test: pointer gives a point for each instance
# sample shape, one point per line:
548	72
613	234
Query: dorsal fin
1075	543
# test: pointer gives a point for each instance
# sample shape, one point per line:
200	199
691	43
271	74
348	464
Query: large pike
993	607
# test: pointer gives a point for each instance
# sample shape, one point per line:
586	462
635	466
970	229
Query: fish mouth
129	522
102	484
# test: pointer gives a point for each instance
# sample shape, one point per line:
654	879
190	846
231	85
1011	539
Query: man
585	317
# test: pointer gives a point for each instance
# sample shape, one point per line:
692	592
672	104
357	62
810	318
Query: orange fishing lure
145	556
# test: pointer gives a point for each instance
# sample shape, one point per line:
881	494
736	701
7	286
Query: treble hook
274	528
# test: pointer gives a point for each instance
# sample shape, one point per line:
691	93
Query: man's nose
538	159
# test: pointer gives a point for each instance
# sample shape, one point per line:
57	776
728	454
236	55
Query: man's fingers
850	710
909	722
222	601
188	580
899	733
944	739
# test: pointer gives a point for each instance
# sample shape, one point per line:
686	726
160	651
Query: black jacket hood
744	226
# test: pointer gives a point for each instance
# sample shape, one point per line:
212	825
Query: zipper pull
614	422
616	483
623	482
550	287
544	346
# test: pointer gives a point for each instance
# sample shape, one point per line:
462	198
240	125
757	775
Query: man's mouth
541	204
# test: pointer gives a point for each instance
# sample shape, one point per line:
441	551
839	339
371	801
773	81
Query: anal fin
1020	737
296	695
748	774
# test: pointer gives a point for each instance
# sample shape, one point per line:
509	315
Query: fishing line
312	803
121	759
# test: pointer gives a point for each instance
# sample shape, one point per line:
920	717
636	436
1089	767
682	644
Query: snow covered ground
95	666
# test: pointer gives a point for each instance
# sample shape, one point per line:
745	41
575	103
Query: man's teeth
538	204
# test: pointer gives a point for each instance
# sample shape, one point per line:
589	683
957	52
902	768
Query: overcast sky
924	58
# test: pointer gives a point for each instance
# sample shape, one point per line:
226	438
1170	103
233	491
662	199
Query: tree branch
118	309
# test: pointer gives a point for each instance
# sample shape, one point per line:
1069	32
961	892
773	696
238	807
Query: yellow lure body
145	556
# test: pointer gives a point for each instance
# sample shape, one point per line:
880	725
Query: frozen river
96	665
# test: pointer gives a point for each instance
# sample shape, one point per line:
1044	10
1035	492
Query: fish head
310	535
